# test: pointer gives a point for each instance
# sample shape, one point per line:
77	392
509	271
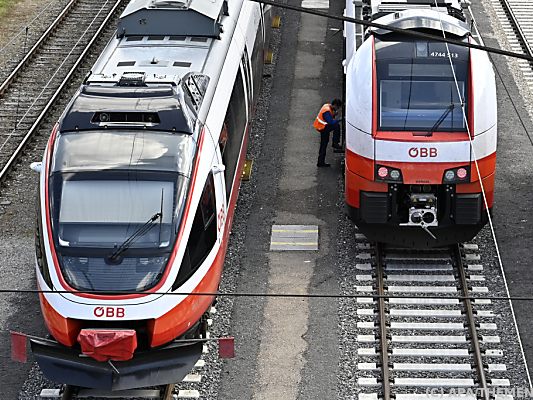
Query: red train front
421	130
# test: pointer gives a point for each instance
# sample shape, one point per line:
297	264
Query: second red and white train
421	125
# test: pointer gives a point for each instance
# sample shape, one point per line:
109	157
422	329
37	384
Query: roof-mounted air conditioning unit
172	18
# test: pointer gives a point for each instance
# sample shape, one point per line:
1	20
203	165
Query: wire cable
261	294
470	138
402	31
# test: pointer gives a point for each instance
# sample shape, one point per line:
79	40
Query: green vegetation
4	6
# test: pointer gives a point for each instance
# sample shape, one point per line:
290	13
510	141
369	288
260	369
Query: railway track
416	347
19	39
516	18
33	87
163	393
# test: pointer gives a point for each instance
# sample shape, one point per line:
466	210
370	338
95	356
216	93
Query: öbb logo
423	152
109	312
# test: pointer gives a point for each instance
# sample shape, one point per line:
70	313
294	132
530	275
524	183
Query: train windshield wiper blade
441	119
134	236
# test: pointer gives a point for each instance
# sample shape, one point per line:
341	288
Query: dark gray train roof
158	108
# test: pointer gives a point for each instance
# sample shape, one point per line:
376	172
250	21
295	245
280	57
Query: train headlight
395	174
388	174
449	175
457	175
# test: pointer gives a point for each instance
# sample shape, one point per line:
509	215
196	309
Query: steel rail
35	126
7	82
382	313
469	311
70	392
167	392
516	27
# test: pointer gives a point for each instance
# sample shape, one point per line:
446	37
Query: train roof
109	149
160	108
161	58
164	39
430	19
161	46
172	17
394	8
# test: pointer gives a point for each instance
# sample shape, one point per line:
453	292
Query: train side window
258	61
247	75
203	234
236	122
223	138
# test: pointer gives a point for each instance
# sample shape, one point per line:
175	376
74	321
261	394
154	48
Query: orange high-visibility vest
320	123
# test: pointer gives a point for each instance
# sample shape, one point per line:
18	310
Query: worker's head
336	103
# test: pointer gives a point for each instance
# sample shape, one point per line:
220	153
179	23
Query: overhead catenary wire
259	294
493	233
483	384
406	32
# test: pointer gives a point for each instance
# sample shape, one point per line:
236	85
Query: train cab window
236	122
203	234
115	221
417	89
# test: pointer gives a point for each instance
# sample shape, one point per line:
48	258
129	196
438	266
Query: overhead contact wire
501	264
405	32
252	294
496	246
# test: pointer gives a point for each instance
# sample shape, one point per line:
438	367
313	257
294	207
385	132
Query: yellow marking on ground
293	244
247	170
296	231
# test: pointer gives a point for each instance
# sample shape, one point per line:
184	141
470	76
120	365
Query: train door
220	182
235	125
247	68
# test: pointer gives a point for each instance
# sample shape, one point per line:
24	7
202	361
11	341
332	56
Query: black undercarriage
419	216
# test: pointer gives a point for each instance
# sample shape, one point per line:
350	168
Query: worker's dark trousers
324	140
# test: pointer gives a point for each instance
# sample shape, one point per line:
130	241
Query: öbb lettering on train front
109	312
423	152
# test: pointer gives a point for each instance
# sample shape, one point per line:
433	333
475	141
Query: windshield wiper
441	119
143	229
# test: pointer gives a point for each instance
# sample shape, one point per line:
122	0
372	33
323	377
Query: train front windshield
416	86
116	202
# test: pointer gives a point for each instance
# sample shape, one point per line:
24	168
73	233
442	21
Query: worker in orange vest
325	122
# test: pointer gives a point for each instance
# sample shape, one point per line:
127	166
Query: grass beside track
4	5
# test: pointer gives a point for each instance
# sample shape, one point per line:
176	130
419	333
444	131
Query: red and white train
138	186
415	126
